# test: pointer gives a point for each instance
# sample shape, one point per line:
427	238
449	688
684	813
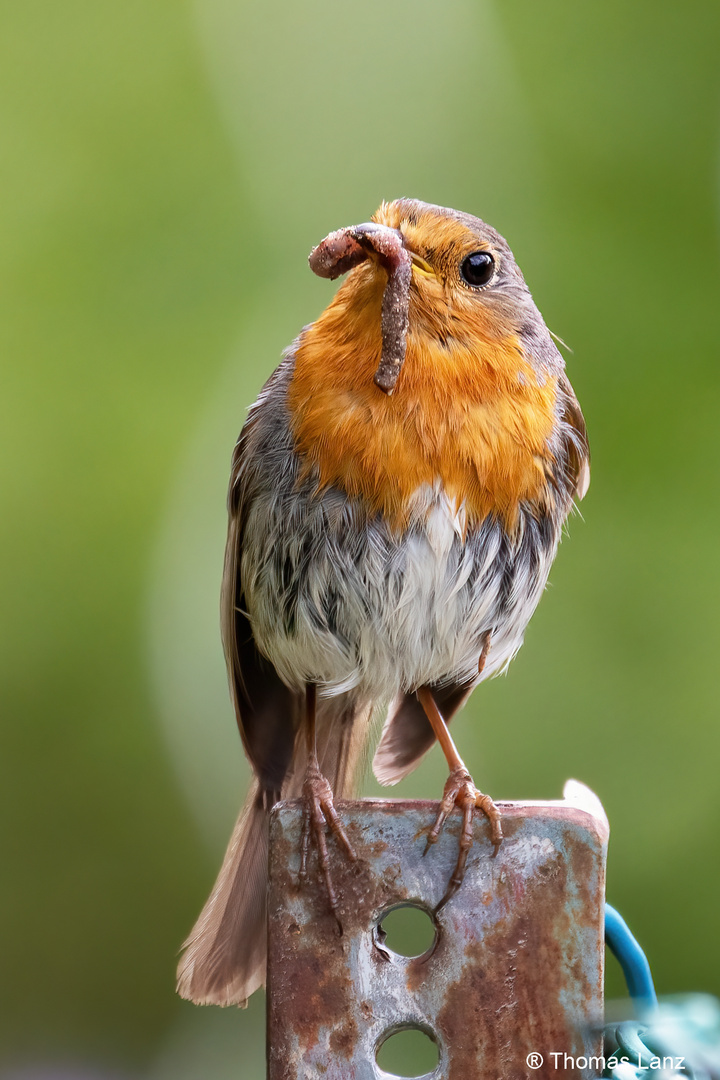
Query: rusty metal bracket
516	967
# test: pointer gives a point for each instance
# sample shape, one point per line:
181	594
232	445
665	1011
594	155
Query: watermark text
560	1061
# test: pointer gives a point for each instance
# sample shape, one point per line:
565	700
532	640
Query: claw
320	812
460	791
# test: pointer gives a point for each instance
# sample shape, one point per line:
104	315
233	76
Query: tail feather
224	957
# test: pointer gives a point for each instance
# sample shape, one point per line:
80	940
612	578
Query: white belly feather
336	599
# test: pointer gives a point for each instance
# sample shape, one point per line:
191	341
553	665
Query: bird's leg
319	809
459	791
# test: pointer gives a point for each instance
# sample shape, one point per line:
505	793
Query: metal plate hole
406	930
409	1051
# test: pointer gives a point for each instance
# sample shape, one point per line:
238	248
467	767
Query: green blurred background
166	168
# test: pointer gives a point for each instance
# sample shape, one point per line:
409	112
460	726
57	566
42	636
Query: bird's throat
472	418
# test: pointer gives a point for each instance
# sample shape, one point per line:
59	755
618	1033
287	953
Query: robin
396	501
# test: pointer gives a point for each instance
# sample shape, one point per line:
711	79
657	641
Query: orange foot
460	791
320	812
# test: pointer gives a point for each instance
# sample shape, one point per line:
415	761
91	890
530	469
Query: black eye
477	268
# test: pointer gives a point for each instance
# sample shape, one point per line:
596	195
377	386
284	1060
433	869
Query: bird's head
443	279
432	365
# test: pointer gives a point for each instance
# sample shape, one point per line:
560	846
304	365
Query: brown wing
578	450
268	713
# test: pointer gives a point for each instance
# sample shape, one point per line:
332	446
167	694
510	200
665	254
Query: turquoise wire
631	958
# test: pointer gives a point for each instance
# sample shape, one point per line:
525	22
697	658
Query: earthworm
346	248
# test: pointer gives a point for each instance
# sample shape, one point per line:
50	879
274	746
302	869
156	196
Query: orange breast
469	412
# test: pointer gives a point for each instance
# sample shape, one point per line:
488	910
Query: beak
346	248
424	269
